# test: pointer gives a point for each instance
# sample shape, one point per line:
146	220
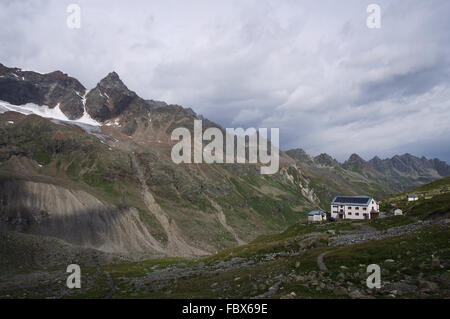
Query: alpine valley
86	177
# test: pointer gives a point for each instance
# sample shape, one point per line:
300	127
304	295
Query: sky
311	68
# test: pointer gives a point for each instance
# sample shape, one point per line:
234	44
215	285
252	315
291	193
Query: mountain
376	177
100	175
410	165
21	87
112	185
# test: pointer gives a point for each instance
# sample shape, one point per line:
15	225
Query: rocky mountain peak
300	155
355	162
109	98
20	87
356	159
113	82
325	159
376	159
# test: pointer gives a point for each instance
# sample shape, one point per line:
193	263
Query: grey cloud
311	68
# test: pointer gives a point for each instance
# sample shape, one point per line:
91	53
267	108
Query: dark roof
316	212
358	200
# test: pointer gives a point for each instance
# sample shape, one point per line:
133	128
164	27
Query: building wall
398	212
355	211
315	218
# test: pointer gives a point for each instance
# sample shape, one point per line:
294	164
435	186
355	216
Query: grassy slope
412	255
69	157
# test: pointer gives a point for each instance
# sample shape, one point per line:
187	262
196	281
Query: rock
344	267
339	291
356	294
389	261
297	264
293	294
435	263
331	232
429	286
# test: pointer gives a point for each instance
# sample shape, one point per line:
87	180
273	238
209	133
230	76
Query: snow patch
115	123
47	112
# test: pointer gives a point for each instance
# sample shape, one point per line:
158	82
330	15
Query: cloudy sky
312	68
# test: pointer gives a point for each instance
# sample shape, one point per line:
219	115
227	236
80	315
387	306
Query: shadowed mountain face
110	98
20	87
116	189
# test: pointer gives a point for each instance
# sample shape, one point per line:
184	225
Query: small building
412	197
354	207
316	216
398	212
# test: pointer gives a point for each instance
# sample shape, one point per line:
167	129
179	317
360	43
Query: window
349	207
342	210
364	214
349	213
356	207
357	214
364	208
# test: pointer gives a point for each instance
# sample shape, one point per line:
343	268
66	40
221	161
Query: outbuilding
316	216
412	197
398	212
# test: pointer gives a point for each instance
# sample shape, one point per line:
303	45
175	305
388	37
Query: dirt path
111	285
176	245
321	263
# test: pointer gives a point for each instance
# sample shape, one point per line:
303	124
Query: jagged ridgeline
93	168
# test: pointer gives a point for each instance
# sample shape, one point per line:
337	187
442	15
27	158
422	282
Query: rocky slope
21	87
326	260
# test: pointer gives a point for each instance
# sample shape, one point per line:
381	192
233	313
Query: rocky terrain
326	260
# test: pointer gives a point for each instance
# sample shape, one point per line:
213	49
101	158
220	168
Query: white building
398	212
412	197
317	216
354	207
